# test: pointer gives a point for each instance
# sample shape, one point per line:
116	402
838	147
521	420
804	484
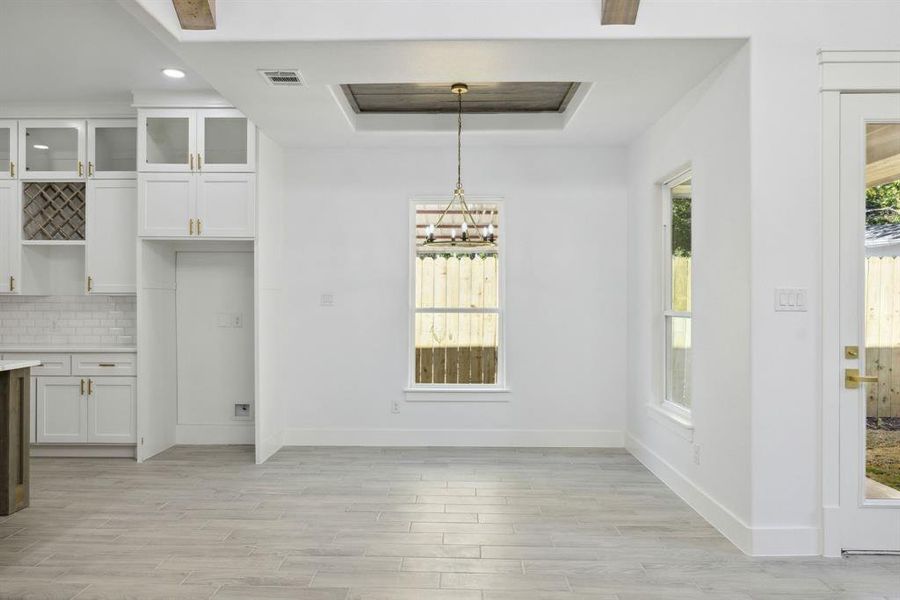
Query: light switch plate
790	299
326	300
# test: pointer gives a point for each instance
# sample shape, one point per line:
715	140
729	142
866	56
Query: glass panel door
8	135
167	141
51	149
112	149
882	310
869	246
226	141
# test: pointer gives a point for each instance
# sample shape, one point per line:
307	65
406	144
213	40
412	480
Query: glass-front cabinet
9	134
112	149
51	149
226	141
213	140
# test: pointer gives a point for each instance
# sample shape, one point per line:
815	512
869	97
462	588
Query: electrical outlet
241	412
395	407
696	454
326	300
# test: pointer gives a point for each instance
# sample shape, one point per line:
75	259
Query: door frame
842	72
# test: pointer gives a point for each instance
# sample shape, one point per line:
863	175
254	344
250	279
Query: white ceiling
79	51
98	51
633	82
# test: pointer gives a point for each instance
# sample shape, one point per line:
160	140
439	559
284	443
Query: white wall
272	380
347	233
710	130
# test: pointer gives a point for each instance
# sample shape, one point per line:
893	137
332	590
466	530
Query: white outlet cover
326	300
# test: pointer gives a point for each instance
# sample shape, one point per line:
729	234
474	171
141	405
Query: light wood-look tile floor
390	524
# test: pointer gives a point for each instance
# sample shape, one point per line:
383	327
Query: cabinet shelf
53	242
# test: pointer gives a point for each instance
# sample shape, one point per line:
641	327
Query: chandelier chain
459	142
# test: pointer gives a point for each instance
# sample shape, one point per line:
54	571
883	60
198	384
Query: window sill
457	394
673	420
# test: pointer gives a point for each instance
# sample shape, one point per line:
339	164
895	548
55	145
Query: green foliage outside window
883	204
681	226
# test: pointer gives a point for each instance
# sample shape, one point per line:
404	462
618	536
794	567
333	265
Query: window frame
678	411
501	384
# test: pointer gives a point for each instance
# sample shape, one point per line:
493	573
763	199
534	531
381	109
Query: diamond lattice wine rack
53	211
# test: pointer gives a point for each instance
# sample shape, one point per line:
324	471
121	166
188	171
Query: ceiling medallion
470	235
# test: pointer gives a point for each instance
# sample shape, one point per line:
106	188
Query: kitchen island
15	381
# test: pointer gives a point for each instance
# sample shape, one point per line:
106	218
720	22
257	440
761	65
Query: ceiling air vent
281	77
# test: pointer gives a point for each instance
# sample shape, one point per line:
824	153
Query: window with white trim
456	304
677	291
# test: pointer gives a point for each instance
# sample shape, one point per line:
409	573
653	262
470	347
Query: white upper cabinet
226	141
167	140
51	149
198	141
166	204
9	134
10	262
112	149
111	231
226	205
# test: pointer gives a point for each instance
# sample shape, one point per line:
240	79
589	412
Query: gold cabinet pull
199	162
852	379
82	387
198	227
191	159
12	283
80	168
90	169
90	386
12	169
90	283
106	364
191	226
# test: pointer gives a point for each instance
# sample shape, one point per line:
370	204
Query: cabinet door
32	402
61	410
226	141
110	238
112	149
111	410
9	134
167	140
166	204
226	205
51	149
10	257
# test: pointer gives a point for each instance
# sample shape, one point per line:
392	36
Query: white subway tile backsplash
67	320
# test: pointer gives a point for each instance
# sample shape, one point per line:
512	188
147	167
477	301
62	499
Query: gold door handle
852	379
80	168
90	283
82	387
90	386
191	226
90	169
198	227
12	169
191	160
12	283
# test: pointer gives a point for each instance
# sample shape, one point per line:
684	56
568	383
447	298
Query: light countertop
12	365
69	349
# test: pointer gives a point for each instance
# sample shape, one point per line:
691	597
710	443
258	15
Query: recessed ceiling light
173	73
41	147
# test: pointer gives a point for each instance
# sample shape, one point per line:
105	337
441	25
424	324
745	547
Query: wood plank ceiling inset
196	14
505	97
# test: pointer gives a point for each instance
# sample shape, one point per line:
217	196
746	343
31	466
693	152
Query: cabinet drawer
51	364
100	365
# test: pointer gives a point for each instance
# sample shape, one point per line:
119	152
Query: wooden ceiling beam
196	14
619	12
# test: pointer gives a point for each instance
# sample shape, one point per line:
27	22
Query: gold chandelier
471	236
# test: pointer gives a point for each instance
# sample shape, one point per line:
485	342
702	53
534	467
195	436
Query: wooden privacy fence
883	336
457	321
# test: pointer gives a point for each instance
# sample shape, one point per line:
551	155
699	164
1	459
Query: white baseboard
728	524
269	446
496	438
755	541
240	433
82	451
